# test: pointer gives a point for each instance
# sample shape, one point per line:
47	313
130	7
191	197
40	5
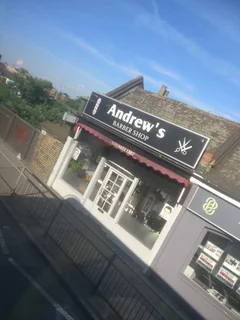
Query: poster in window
206	262
227	277
166	211
76	154
232	264
212	250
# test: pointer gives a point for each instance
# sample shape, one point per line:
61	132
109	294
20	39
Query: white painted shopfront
130	194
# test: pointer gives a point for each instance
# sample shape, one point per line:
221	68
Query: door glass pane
119	181
106	207
115	188
109	185
121	198
99	183
101	202
113	176
109	192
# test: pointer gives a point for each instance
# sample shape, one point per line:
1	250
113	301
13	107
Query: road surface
29	288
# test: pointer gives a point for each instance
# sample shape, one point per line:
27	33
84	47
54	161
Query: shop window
215	267
82	166
146	213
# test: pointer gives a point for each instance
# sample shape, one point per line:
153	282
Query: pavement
29	287
10	168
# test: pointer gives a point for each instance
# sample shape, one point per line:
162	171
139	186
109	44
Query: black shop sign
149	132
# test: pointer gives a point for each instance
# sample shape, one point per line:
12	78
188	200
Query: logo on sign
183	147
96	106
210	206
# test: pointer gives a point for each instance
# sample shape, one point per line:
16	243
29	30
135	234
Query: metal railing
116	281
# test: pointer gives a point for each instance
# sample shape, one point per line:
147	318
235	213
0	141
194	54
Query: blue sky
191	46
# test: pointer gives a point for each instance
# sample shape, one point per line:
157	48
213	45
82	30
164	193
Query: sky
191	46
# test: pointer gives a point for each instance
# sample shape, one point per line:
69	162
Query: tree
77	104
33	90
34	103
24	72
4	92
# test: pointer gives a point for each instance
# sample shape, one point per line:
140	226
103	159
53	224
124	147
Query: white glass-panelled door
108	193
108	199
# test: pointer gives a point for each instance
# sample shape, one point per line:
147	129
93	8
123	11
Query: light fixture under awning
149	163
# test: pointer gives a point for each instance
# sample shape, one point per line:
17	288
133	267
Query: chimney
163	92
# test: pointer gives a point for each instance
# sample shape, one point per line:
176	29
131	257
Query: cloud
84	74
221	17
235	115
133	72
171	74
130	71
227	27
155	23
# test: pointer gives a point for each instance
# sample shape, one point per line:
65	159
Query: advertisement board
206	262
232	264
227	277
212	250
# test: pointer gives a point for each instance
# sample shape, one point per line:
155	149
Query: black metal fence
128	295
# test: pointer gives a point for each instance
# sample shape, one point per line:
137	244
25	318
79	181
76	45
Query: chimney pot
166	94
163	92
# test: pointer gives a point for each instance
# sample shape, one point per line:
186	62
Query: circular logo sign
210	206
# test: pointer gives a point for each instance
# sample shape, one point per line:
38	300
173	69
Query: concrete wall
45	155
19	135
176	253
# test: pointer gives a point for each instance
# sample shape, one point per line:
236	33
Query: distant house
7	71
52	93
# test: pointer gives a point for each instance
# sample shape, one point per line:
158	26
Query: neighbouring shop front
200	257
129	169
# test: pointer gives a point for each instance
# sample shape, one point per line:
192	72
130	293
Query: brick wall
45	155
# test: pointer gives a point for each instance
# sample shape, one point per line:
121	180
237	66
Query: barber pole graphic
96	106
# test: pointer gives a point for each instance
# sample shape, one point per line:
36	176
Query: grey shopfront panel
216	211
180	246
182	242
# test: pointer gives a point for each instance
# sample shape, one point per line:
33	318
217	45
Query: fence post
9	128
110	262
54	217
17	182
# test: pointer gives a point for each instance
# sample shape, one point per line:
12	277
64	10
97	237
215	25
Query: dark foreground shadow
113	271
